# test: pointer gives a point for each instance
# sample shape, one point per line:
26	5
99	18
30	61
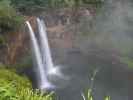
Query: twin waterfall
43	56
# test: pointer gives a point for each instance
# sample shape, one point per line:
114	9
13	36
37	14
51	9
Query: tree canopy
33	5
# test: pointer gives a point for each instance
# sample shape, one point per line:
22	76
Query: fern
15	87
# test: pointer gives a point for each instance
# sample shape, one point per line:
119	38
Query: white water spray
43	82
47	58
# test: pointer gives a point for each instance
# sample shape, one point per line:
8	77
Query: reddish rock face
18	43
59	35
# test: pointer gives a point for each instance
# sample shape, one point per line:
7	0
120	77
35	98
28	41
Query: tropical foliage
9	19
15	87
37	5
28	94
89	96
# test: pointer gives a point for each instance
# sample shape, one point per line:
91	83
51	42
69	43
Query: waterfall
42	74
46	54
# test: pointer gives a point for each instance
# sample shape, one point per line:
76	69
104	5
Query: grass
128	61
15	87
89	95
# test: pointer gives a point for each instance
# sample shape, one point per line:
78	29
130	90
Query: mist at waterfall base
113	40
43	59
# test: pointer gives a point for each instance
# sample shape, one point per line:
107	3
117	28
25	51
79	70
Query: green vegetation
2	40
28	94
28	6
9	76
24	62
9	19
89	96
128	61
38	5
15	87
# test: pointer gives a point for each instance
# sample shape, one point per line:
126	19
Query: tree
27	6
9	19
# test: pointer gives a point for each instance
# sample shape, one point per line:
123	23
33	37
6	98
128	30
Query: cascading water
43	82
47	58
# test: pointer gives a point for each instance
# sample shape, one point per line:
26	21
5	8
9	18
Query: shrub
15	87
128	61
30	6
11	77
7	92
9	19
2	40
89	96
28	94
